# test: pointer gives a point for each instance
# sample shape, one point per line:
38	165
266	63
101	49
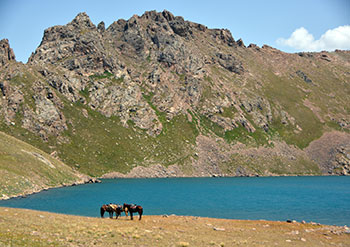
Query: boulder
230	63
179	26
303	76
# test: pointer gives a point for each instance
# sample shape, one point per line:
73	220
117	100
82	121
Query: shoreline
124	217
288	221
227	176
88	180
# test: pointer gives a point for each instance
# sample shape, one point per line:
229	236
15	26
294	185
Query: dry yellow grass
20	227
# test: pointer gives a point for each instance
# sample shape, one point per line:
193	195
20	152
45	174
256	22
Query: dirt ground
21	227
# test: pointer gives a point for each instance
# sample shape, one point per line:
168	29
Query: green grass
104	141
24	168
239	134
109	76
85	92
25	82
291	98
106	74
229	112
271	163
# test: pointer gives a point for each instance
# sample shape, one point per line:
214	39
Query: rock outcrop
6	53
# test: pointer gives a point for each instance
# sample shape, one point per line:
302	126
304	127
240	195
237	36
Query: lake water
320	199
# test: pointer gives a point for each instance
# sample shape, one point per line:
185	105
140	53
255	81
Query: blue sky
289	25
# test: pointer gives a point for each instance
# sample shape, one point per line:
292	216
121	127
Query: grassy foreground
20	227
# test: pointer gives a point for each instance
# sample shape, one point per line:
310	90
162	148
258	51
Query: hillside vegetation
25	169
20	227
158	96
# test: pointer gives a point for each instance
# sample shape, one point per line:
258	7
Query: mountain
158	96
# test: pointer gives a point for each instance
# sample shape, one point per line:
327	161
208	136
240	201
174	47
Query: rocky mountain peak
167	15
6	53
82	20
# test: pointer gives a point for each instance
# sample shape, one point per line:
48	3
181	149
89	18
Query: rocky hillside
25	169
156	95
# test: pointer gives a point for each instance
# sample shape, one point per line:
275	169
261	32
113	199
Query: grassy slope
100	144
25	169
20	227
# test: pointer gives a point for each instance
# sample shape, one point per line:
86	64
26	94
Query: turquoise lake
324	200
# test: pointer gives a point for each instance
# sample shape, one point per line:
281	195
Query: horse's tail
140	212
102	211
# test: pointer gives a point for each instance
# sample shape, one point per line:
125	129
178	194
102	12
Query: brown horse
133	209
111	208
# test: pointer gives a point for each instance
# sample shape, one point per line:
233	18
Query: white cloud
302	40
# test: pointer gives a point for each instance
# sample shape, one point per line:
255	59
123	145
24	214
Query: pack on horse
133	209
111	208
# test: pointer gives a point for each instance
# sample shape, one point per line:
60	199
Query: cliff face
156	95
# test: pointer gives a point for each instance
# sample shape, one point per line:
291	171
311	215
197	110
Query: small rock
303	239
183	244
303	222
288	240
218	229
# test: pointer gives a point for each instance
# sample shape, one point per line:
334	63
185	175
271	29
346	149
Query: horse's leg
140	213
117	214
126	212
102	211
111	214
131	215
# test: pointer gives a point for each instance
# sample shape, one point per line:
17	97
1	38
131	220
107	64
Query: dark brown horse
133	209
111	208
